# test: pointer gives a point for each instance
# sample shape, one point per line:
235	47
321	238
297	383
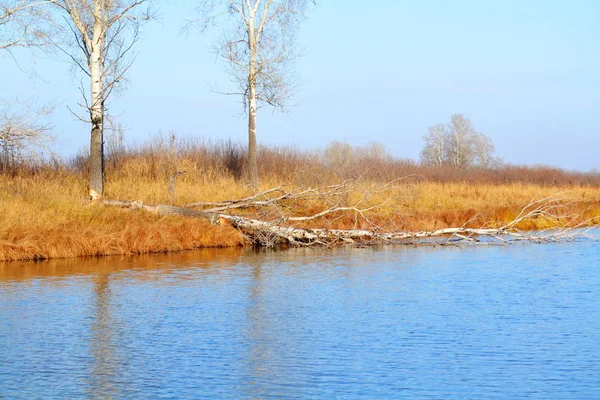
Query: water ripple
391	322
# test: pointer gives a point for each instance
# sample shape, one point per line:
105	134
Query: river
520	321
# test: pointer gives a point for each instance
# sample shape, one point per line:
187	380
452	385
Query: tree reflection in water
105	369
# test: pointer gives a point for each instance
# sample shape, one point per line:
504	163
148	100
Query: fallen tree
278	217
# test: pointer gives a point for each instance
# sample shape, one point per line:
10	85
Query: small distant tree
348	161
461	138
339	156
258	46
459	145
434	151
484	149
22	135
373	151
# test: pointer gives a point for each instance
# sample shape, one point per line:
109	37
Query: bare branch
23	135
19	23
272	233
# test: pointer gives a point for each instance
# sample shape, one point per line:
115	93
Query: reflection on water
522	321
105	369
159	263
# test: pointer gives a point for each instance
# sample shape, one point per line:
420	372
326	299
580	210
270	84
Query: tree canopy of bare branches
459	145
258	46
19	23
99	36
22	134
434	151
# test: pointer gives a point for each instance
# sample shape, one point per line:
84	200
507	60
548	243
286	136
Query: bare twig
275	209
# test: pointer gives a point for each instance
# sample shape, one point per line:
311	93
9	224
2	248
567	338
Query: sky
526	73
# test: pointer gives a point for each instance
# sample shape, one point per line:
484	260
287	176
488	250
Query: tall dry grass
45	215
44	212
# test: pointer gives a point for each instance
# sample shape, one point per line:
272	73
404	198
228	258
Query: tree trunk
96	162
97	114
252	147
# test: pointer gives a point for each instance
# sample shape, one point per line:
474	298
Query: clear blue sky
527	73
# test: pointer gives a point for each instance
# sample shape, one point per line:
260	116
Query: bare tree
460	141
258	45
22	135
459	145
339	157
434	151
347	161
483	148
102	36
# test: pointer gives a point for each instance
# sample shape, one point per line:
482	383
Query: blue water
393	322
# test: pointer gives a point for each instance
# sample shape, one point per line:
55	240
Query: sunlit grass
44	212
50	218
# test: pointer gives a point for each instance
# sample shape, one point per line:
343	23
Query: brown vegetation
44	212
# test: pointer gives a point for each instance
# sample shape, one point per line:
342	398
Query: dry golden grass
46	216
44	212
437	205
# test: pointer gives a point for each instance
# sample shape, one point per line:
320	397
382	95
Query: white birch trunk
252	145
97	103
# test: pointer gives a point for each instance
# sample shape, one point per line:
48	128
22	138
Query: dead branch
160	209
262	229
262	199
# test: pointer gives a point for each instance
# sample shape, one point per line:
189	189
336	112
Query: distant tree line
458	144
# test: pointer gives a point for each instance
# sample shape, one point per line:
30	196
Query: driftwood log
162	209
270	233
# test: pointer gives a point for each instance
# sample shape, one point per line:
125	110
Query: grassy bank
44	212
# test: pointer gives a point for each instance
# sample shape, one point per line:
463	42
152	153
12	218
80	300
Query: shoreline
43	214
177	235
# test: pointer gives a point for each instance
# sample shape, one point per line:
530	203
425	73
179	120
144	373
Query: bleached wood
271	233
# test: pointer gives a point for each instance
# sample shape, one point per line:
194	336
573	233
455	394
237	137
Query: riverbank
54	222
43	214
